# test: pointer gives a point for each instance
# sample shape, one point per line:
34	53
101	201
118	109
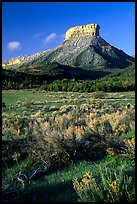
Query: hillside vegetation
55	77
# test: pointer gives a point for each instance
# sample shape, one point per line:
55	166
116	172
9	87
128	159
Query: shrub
15	126
46	147
98	94
27	104
3	106
77	135
112	185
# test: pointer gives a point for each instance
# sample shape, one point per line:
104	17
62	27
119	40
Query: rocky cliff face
16	61
83	47
87	52
81	31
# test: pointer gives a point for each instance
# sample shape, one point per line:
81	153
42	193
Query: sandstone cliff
83	48
81	31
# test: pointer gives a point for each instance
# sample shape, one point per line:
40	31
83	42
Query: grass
63	113
16	100
57	185
113	181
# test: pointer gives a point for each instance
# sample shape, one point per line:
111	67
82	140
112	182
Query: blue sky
31	27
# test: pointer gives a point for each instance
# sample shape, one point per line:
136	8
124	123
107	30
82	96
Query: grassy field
16	101
68	147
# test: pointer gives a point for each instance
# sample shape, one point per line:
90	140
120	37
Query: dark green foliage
3	104
56	77
124	80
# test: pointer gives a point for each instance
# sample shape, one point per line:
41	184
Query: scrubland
59	146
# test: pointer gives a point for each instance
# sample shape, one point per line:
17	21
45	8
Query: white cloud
53	37
14	45
37	35
50	38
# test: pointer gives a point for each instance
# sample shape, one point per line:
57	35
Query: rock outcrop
15	61
10	63
22	59
81	31
83	48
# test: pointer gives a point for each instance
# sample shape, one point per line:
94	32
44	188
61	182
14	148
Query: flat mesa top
84	30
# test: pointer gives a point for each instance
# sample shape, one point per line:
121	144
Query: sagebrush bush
56	136
28	103
47	148
77	134
98	94
15	126
112	185
71	133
